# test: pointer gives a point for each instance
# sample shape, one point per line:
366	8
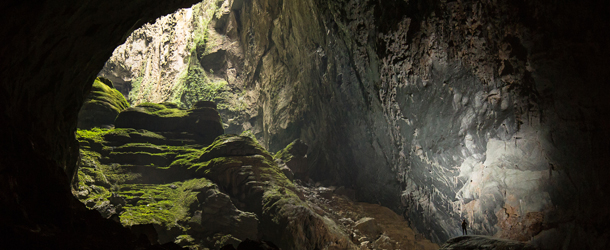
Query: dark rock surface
484	243
102	106
295	157
51	52
202	121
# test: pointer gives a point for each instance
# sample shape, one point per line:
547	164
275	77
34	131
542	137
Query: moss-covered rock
248	173
295	158
197	196
102	106
202	121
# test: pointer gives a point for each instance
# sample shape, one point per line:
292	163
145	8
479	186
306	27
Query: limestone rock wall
489	111
150	61
442	110
190	55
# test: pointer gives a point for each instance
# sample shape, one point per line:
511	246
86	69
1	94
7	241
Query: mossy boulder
295	157
232	145
202	121
102	106
250	176
231	190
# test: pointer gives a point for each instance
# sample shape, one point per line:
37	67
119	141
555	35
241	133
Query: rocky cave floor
369	226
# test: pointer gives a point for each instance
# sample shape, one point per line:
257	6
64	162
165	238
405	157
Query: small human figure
464	226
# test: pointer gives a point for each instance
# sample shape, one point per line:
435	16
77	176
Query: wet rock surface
443	110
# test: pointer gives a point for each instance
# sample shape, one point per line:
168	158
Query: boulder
102	106
295	157
369	227
346	192
219	214
232	145
203	121
287	172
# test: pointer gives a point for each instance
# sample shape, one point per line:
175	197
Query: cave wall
490	111
51	52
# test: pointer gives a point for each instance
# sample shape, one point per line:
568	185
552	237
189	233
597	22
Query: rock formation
483	243
102	106
494	111
173	169
444	109
51	53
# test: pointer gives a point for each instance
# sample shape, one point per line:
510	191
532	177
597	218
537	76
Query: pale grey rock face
152	58
190	55
442	111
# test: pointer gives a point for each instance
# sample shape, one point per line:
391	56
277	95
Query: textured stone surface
202	121
490	111
190	55
369	227
102	106
483	243
295	157
197	197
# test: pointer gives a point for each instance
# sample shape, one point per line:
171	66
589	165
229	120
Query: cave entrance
156	103
188	56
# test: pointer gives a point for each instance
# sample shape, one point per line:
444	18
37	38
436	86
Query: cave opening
361	124
153	156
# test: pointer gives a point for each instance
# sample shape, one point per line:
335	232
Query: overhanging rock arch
51	52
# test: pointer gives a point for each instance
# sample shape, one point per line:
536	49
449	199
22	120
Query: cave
435	111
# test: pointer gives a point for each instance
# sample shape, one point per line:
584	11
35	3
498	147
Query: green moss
129	132
248	133
186	240
186	160
221	240
102	93
153	148
197	87
165	109
166	204
285	154
95	135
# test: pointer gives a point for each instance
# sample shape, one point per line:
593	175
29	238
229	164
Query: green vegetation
197	86
103	94
171	205
285	154
249	133
194	82
95	135
166	204
166	109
